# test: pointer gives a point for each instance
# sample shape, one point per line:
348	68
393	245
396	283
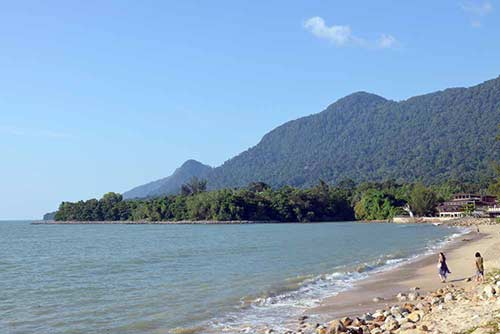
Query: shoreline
325	312
360	297
419	276
423	220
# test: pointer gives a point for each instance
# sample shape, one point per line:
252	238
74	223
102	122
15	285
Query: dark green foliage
259	202
422	201
376	205
446	135
195	186
495	185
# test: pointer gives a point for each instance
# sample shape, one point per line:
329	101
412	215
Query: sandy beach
379	291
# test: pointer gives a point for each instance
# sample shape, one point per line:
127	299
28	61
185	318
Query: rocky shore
472	309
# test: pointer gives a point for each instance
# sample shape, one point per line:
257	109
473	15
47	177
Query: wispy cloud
476	10
386	41
341	35
23	132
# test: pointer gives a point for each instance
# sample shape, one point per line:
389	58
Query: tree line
259	202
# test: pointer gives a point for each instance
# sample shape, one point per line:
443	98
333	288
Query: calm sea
186	278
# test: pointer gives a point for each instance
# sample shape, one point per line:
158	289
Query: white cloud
341	35
476	10
386	41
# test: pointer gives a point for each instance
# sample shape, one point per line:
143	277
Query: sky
99	96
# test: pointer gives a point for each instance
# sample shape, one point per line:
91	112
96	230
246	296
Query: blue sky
101	96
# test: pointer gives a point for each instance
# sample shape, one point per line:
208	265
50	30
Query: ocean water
187	278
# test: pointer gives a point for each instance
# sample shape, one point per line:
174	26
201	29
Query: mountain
170	184
49	215
448	134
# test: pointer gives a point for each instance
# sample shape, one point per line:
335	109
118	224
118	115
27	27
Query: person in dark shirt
479	268
443	270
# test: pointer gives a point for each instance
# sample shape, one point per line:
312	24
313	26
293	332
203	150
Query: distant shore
144	222
422	220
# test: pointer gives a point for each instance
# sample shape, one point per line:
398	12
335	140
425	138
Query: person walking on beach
479	268
442	268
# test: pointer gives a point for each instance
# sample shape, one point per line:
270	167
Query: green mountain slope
170	184
433	137
444	135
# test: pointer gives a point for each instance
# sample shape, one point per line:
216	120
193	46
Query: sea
159	279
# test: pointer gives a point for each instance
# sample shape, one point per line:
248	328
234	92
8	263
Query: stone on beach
336	327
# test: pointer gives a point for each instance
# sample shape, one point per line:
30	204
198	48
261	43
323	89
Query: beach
418	281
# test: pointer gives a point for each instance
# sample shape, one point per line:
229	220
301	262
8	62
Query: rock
449	297
302	318
346	321
376	331
414	316
390	323
336	327
401	297
377	299
358	322
423	328
321	330
412	296
408	326
489	291
426	308
396	310
435	300
365	329
269	331
409	307
354	330
367	317
468	279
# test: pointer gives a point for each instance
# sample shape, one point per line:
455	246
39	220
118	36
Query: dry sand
421	273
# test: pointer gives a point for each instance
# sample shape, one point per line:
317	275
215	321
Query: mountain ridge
170	184
366	137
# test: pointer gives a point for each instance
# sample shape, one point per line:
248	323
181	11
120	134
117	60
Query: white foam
275	311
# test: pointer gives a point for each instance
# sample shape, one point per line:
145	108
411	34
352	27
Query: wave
287	301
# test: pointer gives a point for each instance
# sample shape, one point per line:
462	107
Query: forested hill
443	135
432	138
170	184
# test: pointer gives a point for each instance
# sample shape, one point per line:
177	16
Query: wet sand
421	273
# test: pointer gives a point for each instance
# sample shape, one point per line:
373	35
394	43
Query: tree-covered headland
259	202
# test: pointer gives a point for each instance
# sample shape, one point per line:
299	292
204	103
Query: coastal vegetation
260	202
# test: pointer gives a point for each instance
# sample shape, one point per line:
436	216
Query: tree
108	207
468	209
375	205
494	188
193	187
258	187
422	201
